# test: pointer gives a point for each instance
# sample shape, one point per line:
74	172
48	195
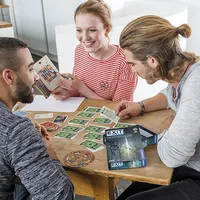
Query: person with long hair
151	45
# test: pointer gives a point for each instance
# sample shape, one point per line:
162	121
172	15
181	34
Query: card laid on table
79	121
43	116
92	109
60	119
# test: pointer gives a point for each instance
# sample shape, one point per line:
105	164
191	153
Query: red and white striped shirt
111	79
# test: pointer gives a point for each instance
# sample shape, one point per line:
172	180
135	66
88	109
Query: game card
60	119
123	125
72	129
50	126
96	129
101	120
85	115
47	73
93	136
43	116
92	109
110	114
92	145
21	113
79	121
65	134
41	87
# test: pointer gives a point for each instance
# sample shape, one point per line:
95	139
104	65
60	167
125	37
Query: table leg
103	188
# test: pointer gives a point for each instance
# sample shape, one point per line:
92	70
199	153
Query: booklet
124	148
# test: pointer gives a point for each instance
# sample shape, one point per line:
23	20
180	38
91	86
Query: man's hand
126	109
43	132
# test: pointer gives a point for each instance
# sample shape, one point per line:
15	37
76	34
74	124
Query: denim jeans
21	193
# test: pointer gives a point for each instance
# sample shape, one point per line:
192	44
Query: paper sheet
52	105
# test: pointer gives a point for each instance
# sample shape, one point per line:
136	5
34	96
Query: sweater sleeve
178	144
43	178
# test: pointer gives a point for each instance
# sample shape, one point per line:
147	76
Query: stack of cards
50	126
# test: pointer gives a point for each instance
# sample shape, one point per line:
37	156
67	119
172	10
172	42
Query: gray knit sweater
180	144
23	153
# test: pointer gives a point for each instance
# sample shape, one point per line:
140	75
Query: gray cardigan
23	153
180	144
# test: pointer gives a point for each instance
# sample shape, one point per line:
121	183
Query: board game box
148	137
124	148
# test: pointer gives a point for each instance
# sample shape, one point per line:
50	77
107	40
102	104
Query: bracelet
142	107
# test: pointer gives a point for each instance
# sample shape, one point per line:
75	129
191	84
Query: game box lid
124	148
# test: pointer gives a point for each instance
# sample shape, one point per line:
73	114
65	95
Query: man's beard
23	92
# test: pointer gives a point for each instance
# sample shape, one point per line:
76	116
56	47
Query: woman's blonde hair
154	36
97	8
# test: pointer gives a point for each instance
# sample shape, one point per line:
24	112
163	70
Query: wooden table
95	180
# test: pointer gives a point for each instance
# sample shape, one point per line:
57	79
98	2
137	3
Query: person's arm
77	87
158	102
43	177
126	109
178	144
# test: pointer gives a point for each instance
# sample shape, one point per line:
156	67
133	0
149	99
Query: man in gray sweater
151	45
25	150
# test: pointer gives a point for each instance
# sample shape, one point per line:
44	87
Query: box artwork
124	148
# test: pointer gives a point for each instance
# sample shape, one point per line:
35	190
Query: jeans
21	193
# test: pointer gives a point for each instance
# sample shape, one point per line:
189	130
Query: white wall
193	43
66	39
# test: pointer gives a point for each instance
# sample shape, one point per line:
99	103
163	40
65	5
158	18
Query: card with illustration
92	145
101	120
41	87
79	121
72	129
85	115
123	125
60	119
92	109
96	129
47	73
65	134
93	136
50	126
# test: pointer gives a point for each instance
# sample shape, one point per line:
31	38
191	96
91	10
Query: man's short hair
8	53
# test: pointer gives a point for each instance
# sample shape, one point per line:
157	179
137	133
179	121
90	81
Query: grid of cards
93	123
92	120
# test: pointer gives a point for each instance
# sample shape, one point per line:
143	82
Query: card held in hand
47	73
110	114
